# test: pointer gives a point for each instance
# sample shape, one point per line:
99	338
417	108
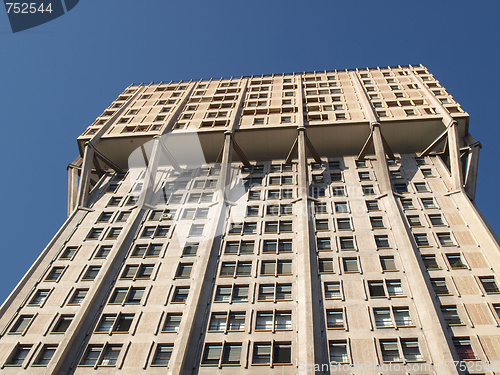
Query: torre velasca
316	222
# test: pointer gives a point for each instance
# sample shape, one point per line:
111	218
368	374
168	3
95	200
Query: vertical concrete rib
453	138
187	352
432	324
472	167
310	350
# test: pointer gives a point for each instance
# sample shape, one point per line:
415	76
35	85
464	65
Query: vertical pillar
83	189
432	326
72	188
472	170
309	350
455	163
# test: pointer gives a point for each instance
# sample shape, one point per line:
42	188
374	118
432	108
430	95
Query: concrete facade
316	222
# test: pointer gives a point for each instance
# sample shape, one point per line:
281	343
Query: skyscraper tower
316	222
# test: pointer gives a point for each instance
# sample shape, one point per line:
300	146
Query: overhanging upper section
264	112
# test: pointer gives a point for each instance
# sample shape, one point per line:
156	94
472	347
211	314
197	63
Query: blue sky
57	78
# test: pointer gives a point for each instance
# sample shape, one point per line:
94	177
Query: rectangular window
411	350
350	265
39	297
346	243
428	203
19	355
69	252
414	221
341	207
383	317
445	239
388	263
402	317
489	284
180	294
335	319
344	224
440	287
421	239
464	348
407	204
338	352
172	322
63	323
184	270
21	324
54	274
390	351
325	265
78	297
372	206
436	220
430	262
377	222
45	355
382	242
455	261
332	290
324	244
322	225
261	353
91	273
394	288
450	314
162	355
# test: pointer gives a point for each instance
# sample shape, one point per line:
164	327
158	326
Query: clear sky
57	78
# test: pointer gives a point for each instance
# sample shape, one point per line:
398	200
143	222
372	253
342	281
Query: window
364	176
440	287
54	274
39	297
19	355
421	239
231	293
414	221
155	231
235	269
320	208
420	161
402	317
322	225
276	267
450	314
350	265
411	350
324	244
275	292
63	323
445	239
436	220
152	250
69	252
338	191
455	261
252	211
91	273
421	187
162	355
464	348
428	203
190	249
277	226
382	317
377	222
430	262
114	323
103	252
489	284
341	207
382	242
396	175
407	204
281	353
336	177
325	265
105	217
344	224
346	243
180	294
332	290
390	351
274	246
261	353
231	353
335	319
376	289
172	322
394	288
127	296
401	188
338	351
273	320
45	355
368	189
361	163
21	324
372	206
388	263
183	270
427	172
